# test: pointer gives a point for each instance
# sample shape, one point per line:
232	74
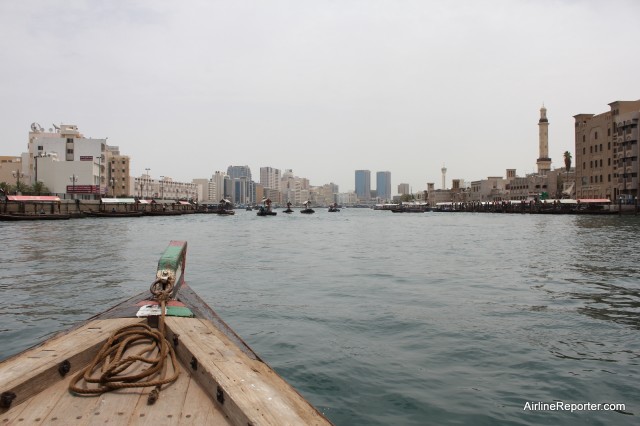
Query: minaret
444	176
544	162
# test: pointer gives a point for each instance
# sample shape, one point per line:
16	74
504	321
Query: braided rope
106	367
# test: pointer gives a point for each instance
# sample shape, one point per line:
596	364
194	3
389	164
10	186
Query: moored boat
30	216
34	207
158	358
411	208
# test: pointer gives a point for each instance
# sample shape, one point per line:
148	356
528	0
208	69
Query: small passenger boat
307	209
334	208
159	358
265	208
288	210
225	208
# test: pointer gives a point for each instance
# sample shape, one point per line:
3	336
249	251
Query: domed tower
544	162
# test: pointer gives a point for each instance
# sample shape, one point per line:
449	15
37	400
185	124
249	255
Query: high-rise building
294	189
236	172
242	190
383	185
363	185
270	178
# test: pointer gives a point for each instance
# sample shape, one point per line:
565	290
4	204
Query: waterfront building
606	152
242	187
216	187
270	178
11	170
202	186
324	195
347	198
403	189
212	190
363	185
273	194
383	186
243	191
294	189
626	155
166	188
67	162
118	173
236	172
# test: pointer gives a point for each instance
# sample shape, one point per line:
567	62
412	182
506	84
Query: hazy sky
186	88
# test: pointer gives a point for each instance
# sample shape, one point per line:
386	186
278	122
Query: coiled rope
106	367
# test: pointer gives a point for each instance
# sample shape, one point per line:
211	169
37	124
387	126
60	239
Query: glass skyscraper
383	185
363	184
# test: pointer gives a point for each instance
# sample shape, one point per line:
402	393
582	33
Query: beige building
165	188
118	175
606	157
626	151
294	189
11	170
403	189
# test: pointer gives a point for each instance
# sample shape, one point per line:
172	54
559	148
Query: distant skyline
324	88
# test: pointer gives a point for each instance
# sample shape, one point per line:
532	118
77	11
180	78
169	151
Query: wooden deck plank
200	409
37	409
34	370
168	407
250	391
253	392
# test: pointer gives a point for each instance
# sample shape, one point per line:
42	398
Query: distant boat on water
307	209
411	208
265	208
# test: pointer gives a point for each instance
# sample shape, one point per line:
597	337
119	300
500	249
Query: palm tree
39	188
567	160
567	163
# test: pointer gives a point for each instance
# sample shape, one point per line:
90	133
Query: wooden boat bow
221	380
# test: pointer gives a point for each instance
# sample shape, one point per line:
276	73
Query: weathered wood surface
248	390
222	380
184	402
37	368
230	385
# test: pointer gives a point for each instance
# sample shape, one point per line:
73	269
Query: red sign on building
82	189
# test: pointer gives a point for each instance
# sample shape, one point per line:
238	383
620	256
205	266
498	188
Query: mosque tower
544	162
444	176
